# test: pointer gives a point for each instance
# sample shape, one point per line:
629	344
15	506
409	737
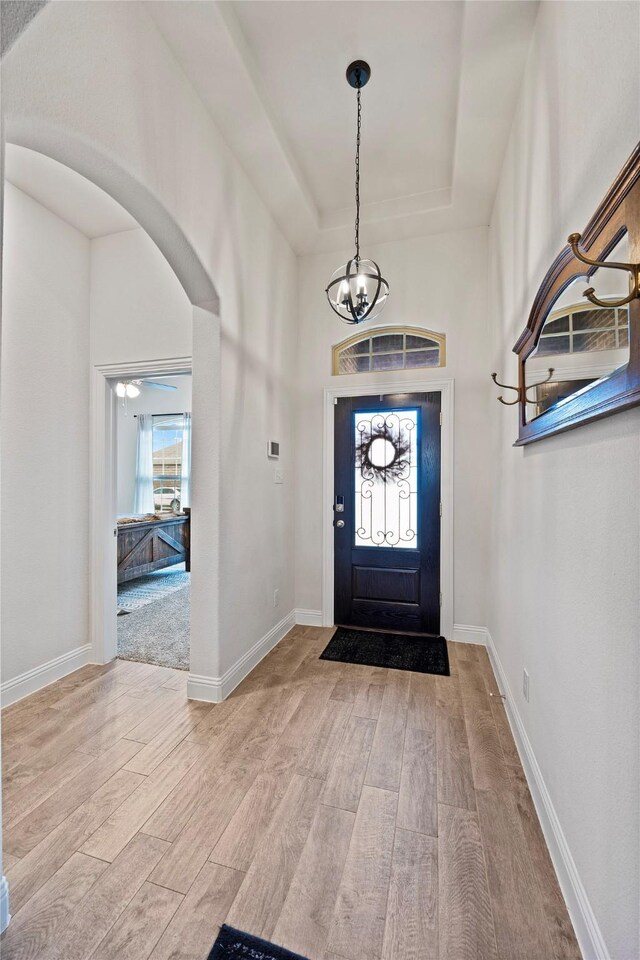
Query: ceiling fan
131	388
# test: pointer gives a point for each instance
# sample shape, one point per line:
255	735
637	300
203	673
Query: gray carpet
158	632
152	587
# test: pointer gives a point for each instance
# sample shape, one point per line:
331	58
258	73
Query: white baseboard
217	689
27	683
309	618
584	921
5	916
465	633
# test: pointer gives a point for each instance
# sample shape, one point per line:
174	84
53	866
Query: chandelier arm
352	309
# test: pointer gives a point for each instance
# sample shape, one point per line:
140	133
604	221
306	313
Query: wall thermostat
273	449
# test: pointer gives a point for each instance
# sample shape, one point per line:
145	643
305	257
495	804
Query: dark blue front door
387	512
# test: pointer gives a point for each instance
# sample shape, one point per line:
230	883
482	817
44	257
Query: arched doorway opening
166	234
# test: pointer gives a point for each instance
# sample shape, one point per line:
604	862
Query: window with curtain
143	499
171	460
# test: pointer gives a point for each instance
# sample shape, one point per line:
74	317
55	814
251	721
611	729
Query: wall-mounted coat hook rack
505	386
539	384
633	269
519	392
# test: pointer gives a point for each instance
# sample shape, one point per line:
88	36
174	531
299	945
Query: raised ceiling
410	105
436	113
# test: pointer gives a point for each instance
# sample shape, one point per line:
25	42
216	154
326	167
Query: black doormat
423	654
234	945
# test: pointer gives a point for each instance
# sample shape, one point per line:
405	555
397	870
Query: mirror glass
582	342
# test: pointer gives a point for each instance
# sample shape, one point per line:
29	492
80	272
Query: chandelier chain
357	291
357	226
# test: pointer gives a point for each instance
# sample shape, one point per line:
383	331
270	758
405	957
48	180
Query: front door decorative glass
386	479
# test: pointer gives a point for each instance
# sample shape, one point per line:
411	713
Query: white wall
139	311
566	526
439	283
45	415
66	297
105	116
151	400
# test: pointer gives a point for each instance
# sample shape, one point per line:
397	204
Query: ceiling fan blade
159	386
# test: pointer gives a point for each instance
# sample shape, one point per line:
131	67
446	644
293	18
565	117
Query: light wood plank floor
346	812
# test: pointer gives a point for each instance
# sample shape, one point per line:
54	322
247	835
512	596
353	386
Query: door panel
379	583
387	519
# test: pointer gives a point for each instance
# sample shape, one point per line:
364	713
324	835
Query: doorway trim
103	502
446	390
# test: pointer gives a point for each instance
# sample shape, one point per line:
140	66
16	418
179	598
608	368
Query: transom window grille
584	329
389	348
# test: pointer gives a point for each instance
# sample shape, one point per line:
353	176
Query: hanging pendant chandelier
357	291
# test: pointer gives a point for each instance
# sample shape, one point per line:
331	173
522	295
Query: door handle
340	523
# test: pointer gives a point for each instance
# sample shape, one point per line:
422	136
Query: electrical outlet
525	685
278	475
276	598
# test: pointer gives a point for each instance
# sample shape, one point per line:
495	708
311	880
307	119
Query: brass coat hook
532	385
505	386
633	269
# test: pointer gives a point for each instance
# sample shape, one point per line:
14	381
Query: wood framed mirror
577	360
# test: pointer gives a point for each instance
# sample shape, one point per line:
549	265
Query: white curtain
143	502
185	470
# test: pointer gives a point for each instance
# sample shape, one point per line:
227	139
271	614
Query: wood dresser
153	542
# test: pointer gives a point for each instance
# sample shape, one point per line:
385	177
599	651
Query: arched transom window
389	348
581	328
